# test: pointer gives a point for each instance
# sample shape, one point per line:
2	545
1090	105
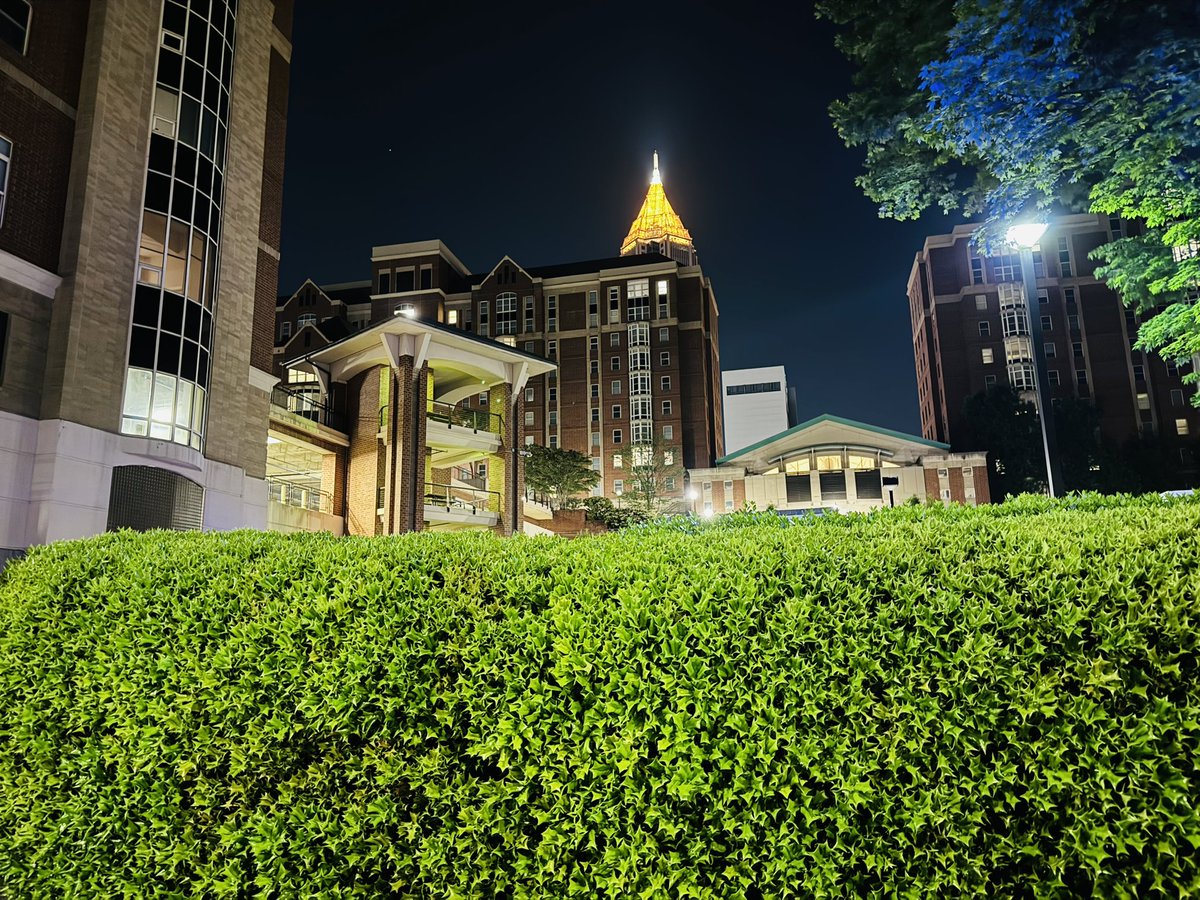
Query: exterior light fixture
1027	234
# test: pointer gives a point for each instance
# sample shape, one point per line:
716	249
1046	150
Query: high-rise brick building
634	337
141	165
970	327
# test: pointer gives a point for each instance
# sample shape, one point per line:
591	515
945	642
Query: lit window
618	487
1064	257
987	355
529	395
306	319
980	300
668	457
528	418
618	461
528	440
506	313
1181	426
452	318
1143	401
639	299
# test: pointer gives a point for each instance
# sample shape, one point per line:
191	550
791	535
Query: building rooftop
656	220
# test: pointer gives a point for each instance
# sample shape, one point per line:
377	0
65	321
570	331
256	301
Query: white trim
417	248
25	274
264	381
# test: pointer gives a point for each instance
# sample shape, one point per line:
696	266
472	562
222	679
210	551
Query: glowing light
691	494
656	221
1027	234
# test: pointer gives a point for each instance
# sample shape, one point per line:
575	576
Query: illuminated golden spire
657	224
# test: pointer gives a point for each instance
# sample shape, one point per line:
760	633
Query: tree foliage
558	475
651	468
1003	107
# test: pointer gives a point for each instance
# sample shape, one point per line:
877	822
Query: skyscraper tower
657	228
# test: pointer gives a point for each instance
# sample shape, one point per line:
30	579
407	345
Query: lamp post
1026	237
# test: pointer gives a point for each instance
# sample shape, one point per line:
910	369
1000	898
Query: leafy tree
558	475
1001	107
650	468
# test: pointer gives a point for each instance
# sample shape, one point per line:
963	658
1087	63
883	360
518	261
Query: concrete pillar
363	454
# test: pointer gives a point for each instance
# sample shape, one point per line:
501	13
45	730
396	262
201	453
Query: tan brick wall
89	328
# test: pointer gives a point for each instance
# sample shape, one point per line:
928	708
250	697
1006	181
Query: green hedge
999	702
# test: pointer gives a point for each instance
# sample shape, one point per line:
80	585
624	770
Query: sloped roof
657	219
828	429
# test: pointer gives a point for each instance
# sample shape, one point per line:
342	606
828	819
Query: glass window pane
137	392
164	399
183	406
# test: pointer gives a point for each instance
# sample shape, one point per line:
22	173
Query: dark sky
530	133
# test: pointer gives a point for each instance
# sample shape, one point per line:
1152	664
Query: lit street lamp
1026	237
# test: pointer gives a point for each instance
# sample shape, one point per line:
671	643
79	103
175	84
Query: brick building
141	165
970	327
634	337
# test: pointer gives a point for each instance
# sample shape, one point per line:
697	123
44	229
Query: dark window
765	387
799	489
145	497
833	486
869	484
426	279
385	282
404	281
14	23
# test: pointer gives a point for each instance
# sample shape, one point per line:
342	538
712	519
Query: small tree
558	475
655	471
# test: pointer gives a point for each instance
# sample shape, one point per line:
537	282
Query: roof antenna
655	176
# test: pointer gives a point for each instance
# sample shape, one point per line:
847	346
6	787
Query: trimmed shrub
922	702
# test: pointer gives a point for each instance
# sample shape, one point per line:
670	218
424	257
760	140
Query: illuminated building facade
634	338
142	163
970	327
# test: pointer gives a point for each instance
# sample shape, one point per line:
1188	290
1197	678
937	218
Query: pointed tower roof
656	221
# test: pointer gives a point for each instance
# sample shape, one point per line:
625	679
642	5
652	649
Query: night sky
532	134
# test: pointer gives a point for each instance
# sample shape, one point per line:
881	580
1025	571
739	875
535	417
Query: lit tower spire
658	228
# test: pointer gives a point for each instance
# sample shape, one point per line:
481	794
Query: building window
385	282
669	482
1143	400
668	457
1077	348
1181	426
616	387
665	381
1139	373
1051	352
1020	376
14	23
614	305
554	442
664	300
668	432
616	411
985	329
593	344
426	278
976	272
529	418
989	381
595	464
614	339
616	436
988	356
618	487
1043	296
595	414
1064	257
1073	321
594	366
639	299
618	461
1006	267
595	392
615	364
529	395
593	310
285	330
483	318
1172	368
1039	265
552	314
483	398
5	160
664	358
666	407
529	314
1053	376
306	319
1114	226
1047	324
553	417
1177	397
529	440
981	301
553	395
506	313
1081	377
595	439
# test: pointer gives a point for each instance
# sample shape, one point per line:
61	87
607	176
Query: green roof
840	421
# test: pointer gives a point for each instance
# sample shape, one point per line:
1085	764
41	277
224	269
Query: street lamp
1026	237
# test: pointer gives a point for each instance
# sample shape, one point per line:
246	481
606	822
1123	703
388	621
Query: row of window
1006	267
764	387
15	16
400	281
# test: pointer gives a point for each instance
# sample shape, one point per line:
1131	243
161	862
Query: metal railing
306	406
290	494
451	497
454	416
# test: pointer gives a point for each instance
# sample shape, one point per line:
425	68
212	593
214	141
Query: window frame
6	158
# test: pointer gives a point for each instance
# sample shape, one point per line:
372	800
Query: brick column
502	470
